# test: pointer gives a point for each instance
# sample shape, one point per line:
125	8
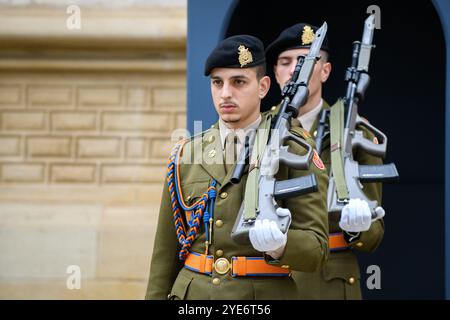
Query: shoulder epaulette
302	133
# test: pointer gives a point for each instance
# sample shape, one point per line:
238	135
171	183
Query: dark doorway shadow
406	100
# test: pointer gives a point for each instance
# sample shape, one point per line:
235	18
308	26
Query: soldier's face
286	64
237	95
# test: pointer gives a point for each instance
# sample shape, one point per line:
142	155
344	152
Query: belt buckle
222	266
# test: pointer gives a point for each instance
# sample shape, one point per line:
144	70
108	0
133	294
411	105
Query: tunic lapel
211	155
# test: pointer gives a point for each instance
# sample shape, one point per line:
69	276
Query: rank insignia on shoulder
300	132
245	56
307	35
317	161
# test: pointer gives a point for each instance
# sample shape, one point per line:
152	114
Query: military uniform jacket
340	276
307	239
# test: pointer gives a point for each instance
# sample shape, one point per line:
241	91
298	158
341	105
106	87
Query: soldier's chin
229	118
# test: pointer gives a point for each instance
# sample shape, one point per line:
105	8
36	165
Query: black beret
241	51
300	35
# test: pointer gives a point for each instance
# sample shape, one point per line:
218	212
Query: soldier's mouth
227	108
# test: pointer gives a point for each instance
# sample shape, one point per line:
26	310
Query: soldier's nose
292	68
226	92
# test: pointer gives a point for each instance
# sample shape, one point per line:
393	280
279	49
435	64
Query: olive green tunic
340	276
307	239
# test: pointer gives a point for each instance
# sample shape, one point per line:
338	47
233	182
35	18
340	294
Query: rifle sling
252	186
336	137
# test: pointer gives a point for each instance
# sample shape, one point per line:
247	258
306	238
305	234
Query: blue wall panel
443	9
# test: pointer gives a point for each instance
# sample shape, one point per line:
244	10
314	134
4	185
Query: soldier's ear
264	86
326	70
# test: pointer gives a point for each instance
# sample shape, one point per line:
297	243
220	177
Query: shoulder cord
203	208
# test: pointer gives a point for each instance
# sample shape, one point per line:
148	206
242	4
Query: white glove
265	236
356	216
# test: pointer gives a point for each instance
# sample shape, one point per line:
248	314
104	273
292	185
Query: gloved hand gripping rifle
346	174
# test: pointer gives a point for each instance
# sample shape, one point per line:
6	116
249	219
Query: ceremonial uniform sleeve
369	240
307	239
165	264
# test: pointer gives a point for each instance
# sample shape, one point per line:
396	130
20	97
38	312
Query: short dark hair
260	71
325	56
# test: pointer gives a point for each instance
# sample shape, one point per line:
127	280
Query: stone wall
86	118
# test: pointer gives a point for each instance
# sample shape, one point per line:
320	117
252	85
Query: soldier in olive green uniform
340	276
196	264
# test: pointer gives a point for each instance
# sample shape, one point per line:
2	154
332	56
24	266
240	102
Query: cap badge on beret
307	35
245	56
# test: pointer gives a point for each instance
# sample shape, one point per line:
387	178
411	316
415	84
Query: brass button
224	195
188	198
285	266
211	139
219	253
351	280
359	244
315	133
169	296
222	266
212	153
216	281
273	108
219	223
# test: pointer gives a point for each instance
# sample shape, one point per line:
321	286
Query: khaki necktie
230	150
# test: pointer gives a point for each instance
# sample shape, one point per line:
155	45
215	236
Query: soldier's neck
310	104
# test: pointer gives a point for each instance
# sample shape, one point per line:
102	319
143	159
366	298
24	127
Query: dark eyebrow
239	77
290	58
285	58
236	77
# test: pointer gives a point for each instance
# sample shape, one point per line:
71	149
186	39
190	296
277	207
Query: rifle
346	174
268	151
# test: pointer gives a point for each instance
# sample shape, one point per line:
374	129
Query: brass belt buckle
222	266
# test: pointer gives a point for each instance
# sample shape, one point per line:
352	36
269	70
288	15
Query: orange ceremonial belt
336	242
239	266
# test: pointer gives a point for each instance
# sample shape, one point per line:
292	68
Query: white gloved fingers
266	236
380	213
368	214
353	212
283	212
265	232
273	244
279	237
356	216
260	235
365	216
347	220
254	235
344	221
360	211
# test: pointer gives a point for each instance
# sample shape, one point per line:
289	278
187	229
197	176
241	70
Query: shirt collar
307	119
241	133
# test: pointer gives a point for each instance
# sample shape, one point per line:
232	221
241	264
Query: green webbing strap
252	185
337	162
